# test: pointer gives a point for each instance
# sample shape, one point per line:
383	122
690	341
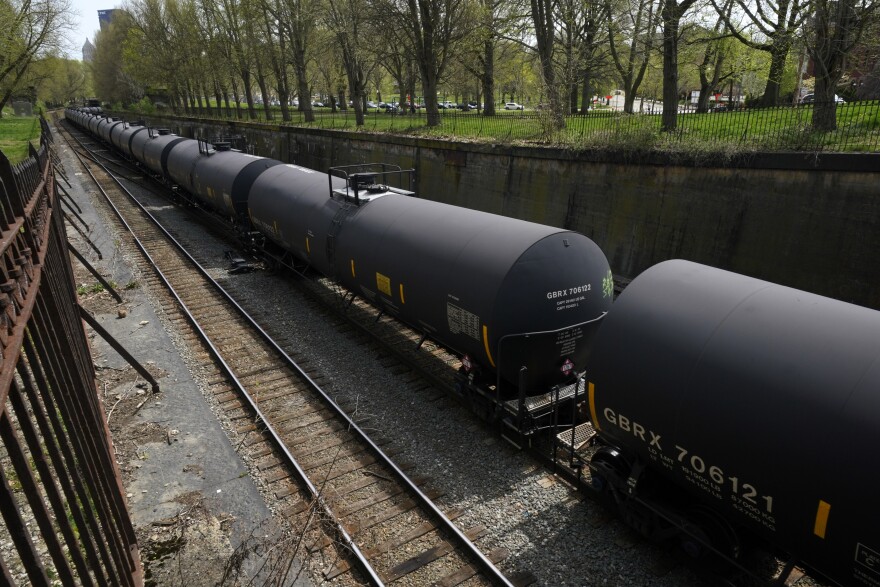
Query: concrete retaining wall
800	220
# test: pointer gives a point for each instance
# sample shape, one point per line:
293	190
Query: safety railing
64	517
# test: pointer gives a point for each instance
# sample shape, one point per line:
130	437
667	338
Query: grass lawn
15	133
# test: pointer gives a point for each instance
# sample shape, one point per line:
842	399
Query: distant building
105	17
88	52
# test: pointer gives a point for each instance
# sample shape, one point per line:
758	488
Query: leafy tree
112	81
671	14
30	29
57	80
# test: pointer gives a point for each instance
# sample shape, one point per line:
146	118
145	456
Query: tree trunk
778	56
488	79
824	106
302	83
264	87
237	97
219	99
430	84
586	92
670	15
542	16
248	94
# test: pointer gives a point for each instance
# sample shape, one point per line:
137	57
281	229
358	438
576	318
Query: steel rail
485	564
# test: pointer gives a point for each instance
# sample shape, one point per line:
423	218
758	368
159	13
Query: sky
87	22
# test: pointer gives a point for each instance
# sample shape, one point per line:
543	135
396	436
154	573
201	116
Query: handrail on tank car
216	145
522	374
205	148
366	170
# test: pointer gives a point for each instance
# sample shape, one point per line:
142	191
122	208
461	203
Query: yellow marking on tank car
486	344
592	394
308	248
352	268
822	518
383	284
402	299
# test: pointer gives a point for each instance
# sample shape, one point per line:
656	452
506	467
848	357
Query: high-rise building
105	17
88	51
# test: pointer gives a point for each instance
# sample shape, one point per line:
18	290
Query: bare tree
230	17
715	55
776	24
432	29
496	20
348	20
545	38
835	28
594	39
298	21
276	47
633	25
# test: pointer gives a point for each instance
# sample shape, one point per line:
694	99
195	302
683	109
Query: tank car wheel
707	526
608	469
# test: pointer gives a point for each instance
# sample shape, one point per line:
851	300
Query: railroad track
378	525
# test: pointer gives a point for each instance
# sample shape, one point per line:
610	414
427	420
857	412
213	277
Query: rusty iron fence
64	516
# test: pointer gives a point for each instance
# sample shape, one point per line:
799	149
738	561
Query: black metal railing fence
778	128
64	517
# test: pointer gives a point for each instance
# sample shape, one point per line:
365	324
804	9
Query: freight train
723	409
502	293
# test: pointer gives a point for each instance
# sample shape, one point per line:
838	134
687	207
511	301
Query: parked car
810	98
512	106
372	105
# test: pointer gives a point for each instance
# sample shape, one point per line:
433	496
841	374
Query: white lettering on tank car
571	291
569	298
567	340
634	428
864	578
701	472
868	558
462	322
